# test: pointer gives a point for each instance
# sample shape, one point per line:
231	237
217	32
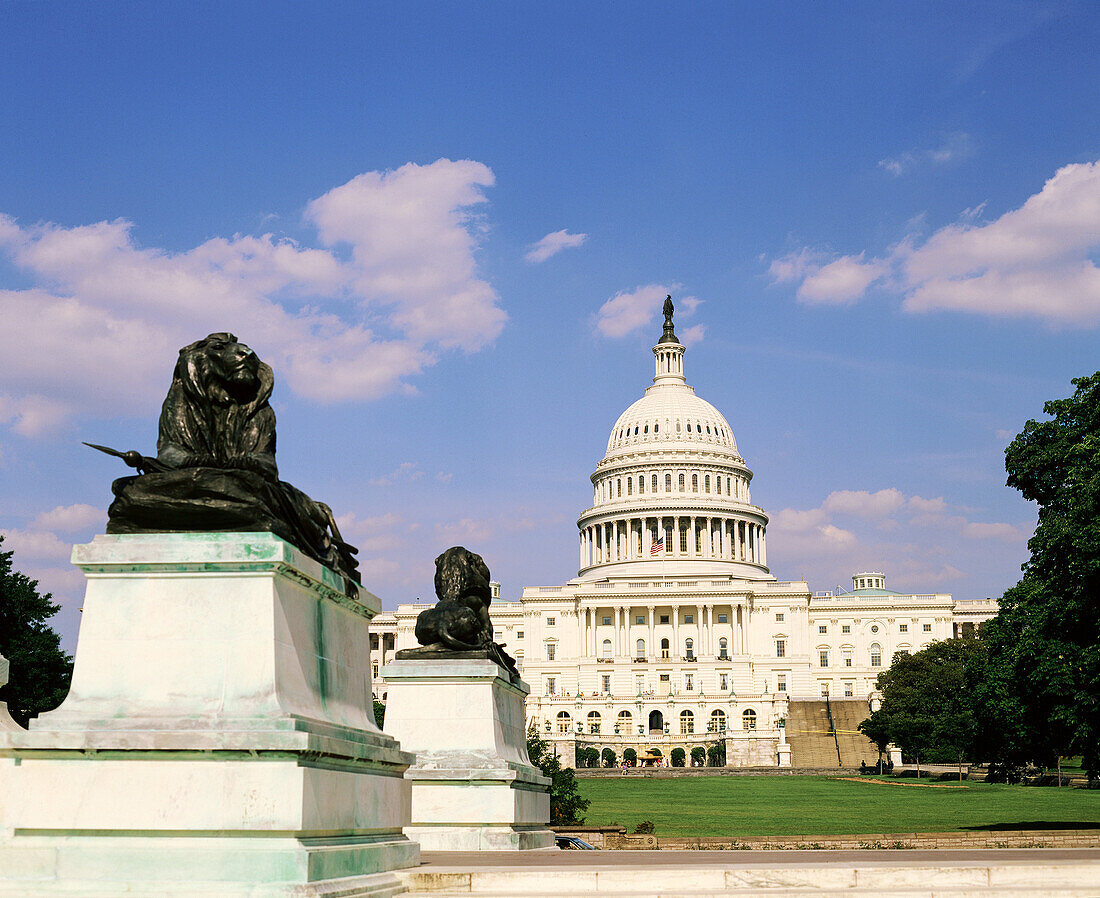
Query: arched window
668	483
687	722
748	720
593	721
565	722
695	483
664	648
625	722
876	655
717	721
656	428
606	649
706	484
718	485
723	648
653	484
641	484
677	425
640	649
681	483
689	648
630	486
619	487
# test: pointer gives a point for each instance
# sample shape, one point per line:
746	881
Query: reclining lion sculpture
459	624
215	465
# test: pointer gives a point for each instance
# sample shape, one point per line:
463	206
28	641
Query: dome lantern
669	352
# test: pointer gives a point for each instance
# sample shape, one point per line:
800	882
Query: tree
608	757
40	671
677	757
566	804
928	702
716	753
698	756
1046	640
631	757
379	713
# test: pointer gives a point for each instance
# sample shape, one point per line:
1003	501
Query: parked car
572	843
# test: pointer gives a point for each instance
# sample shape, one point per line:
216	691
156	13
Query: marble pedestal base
473	786
218	739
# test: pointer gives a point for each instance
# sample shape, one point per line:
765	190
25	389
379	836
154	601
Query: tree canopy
1045	643
928	701
40	671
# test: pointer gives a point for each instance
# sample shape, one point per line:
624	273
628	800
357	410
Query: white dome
671	416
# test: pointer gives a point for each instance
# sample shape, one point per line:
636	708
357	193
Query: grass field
737	806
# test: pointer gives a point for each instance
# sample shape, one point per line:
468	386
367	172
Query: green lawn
738	806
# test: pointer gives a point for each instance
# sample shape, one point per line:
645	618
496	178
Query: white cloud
627	312
843	280
846	533
552	244
69	518
35	544
467	531
689	336
955	147
99	328
1035	261
406	471
862	503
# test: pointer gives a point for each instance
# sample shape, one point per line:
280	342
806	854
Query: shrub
646	827
698	756
630	756
608	757
678	756
566	804
716	754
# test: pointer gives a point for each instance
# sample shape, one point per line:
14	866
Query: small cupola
669	352
869	580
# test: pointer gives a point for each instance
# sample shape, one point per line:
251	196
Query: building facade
674	631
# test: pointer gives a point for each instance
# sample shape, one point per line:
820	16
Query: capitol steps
810	733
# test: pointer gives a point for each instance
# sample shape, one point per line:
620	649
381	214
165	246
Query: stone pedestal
219	736
784	751
473	786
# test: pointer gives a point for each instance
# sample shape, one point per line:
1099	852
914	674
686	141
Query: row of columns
630	539
588	634
612	488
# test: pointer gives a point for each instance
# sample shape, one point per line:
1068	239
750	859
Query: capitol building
674	631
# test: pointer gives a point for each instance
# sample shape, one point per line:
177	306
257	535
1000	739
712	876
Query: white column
675	631
623	618
710	539
676	535
763	547
650	648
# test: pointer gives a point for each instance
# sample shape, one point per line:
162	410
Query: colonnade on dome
676	536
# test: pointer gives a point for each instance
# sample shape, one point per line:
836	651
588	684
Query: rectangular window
781	683
927	628
375	666
903	628
550	650
823	628
550	685
607	622
605	682
845	628
847	662
688	683
549	621
779	617
639	683
619	488
519	634
876	659
722	618
664	618
683	539
847	690
665	678
781	648
689	618
640	619
723	682
823	658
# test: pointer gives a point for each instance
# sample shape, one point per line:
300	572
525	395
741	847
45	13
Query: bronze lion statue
215	465
459	622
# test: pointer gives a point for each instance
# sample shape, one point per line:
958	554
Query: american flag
658	547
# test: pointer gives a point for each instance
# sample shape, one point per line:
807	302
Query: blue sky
448	227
